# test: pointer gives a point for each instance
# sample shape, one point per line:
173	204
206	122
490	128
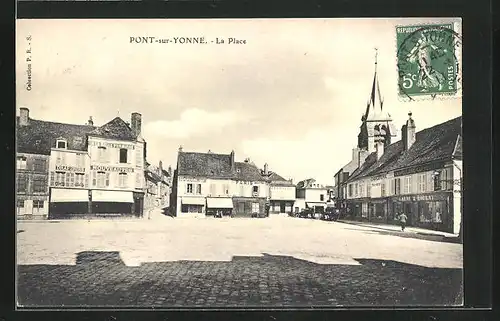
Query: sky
292	96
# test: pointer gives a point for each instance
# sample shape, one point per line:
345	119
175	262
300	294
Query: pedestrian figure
402	220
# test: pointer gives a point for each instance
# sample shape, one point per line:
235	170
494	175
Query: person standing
402	221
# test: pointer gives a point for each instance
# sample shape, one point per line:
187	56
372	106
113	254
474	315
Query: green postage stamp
429	61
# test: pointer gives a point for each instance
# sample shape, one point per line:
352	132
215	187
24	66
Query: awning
315	204
68	195
112	196
221	202
193	201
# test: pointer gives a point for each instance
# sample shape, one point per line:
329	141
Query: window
79	180
138	180
198	189
20	203
361	190
213	189
122	179
356	190
37	204
437	181
350	190
422	186
61	143
39	184
255	190
102	179
321	197
21	183
138	157
382	189
101	154
431	212
123	155
21	163
60	179
80	160
189	188
39	165
397	186
368	190
255	207
407	185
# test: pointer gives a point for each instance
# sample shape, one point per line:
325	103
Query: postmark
428	61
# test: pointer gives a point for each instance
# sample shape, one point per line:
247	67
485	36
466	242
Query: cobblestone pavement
167	262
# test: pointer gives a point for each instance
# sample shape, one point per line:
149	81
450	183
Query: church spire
375	95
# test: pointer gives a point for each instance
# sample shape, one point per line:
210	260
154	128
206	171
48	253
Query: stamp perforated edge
457	28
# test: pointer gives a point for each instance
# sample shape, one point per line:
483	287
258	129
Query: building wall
100	171
421	192
286	193
313	194
457	195
31	185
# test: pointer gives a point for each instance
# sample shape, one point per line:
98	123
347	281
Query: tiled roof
213	165
115	129
431	144
208	165
39	136
306	183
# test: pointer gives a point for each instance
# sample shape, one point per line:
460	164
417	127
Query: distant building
87	169
207	184
158	182
311	194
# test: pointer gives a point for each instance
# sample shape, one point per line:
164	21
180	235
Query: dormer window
61	143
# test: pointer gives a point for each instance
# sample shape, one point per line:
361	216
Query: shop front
249	207
68	202
192	206
378	210
430	211
358	209
280	206
219	206
115	203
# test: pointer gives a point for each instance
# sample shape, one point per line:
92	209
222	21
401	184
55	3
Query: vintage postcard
266	163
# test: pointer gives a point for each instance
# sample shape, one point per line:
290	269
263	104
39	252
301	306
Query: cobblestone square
278	262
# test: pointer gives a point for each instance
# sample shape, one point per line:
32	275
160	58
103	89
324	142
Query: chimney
135	123
24	116
266	170
232	160
170	170
408	132
90	121
180	149
160	166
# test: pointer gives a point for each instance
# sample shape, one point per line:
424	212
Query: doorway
282	207
408	210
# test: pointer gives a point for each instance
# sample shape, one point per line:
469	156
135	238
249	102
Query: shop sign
112	169
416	198
111	145
67	168
192	179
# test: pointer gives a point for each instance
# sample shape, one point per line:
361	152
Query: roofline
447	158
59	123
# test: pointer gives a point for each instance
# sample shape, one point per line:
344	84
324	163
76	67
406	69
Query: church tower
376	126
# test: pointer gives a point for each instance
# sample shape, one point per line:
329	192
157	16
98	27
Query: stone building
206	184
90	170
420	175
311	194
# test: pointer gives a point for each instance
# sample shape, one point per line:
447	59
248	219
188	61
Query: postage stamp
428	61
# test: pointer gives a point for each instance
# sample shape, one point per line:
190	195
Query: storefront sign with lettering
416	198
112	169
111	145
67	168
192	179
